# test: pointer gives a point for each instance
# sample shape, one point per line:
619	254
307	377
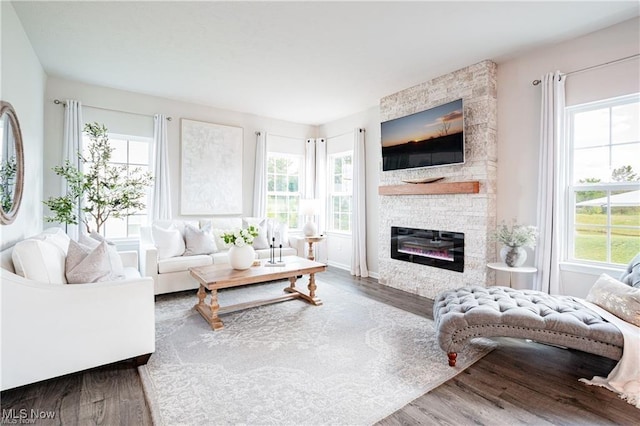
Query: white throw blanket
624	379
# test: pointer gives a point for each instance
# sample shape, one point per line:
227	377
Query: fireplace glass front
440	249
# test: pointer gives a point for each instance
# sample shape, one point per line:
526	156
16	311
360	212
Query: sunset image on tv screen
428	138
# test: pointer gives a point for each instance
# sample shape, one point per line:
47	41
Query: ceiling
305	62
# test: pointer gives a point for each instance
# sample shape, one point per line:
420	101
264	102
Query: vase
241	257
513	256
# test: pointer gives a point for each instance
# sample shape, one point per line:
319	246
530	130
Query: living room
508	175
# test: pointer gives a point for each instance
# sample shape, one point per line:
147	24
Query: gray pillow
198	241
93	240
631	275
86	265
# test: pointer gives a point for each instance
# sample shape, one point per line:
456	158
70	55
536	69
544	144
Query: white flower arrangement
240	237
517	235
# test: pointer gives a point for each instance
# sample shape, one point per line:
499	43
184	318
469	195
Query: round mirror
11	164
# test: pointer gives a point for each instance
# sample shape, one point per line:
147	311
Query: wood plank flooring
518	383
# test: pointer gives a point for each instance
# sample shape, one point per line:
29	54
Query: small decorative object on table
514	239
272	255
241	252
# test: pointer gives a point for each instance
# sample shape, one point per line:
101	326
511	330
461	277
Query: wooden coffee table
215	277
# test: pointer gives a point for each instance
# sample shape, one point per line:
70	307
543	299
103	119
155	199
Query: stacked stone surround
473	214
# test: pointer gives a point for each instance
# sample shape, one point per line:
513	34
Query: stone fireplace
471	214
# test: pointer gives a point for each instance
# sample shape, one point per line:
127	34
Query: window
340	190
603	176
132	152
283	188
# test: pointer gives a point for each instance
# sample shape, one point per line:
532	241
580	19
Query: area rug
350	361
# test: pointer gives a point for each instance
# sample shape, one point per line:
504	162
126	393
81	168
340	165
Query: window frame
149	197
569	260
331	193
300	159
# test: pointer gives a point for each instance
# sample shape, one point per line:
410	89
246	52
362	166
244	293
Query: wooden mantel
469	187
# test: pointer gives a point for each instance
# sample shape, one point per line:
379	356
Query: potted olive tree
104	190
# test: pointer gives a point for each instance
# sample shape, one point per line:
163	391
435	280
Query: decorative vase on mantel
513	256
241	258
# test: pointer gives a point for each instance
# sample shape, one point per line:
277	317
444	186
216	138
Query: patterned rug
352	360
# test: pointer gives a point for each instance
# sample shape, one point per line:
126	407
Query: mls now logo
24	416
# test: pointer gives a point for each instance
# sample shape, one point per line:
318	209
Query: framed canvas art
211	171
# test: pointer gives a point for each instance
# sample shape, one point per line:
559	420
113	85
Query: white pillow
198	241
169	242
279	231
87	265
39	260
218	240
616	297
259	242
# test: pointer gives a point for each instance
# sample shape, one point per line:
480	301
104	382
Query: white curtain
309	168
550	185
320	192
71	146
260	177
359	210
161	208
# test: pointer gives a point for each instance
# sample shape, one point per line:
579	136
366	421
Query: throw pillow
261	241
169	242
198	241
616	297
39	260
218	240
86	265
279	231
93	240
631	274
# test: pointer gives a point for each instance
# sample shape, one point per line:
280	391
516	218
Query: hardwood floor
518	383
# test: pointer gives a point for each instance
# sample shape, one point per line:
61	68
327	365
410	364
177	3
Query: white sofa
50	329
172	274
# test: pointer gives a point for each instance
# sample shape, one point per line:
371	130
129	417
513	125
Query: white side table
500	266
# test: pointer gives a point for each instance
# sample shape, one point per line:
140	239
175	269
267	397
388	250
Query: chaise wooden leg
452	358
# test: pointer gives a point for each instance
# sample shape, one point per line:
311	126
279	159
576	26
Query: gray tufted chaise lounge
469	312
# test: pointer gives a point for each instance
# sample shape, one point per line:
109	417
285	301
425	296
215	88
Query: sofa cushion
183	263
40	260
198	241
261	241
616	297
88	265
168	241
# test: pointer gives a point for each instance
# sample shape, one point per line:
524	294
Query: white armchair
49	329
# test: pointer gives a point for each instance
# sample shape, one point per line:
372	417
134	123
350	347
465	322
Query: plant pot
241	257
513	256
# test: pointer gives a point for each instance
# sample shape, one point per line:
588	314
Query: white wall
22	85
519	111
121	122
339	246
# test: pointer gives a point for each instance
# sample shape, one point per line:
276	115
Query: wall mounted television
434	137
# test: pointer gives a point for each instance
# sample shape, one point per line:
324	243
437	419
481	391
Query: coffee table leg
292	283
202	294
214	320
312	286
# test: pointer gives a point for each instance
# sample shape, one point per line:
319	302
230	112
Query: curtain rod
59	102
615	61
